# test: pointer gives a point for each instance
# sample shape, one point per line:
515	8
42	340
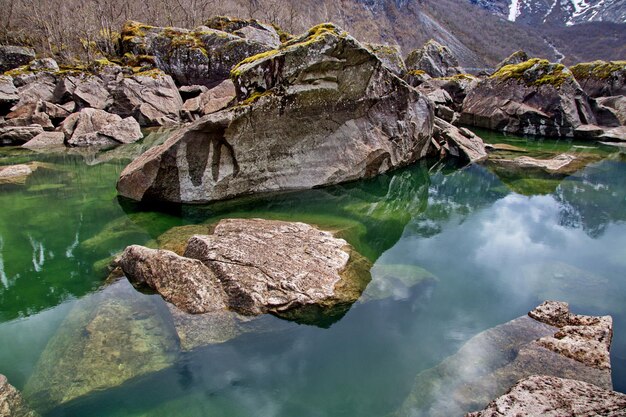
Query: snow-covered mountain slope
561	12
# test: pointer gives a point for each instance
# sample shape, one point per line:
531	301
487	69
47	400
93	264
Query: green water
487	246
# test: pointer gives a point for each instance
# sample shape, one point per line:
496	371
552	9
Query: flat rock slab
255	266
555	397
491	362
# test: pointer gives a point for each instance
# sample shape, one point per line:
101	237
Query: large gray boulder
250	29
434	59
320	110
14	56
151	98
549	341
202	56
93	127
601	78
390	56
547	396
11	402
8	94
86	90
254	267
458	142
534	97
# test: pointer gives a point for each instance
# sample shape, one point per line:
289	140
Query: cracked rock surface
252	267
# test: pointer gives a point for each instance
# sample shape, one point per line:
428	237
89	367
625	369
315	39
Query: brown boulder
11	402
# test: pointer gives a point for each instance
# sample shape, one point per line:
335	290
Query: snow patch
514	11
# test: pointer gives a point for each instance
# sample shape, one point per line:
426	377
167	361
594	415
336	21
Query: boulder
210	101
547	396
43	64
535	97
601	78
490	363
92	127
18	135
433	58
191	91
202	56
15	174
615	106
458	142
29	113
46	140
614	134
515	58
416	78
562	164
457	87
254	267
11	402
14	56
85	90
250	29
150	97
390	56
8	94
320	110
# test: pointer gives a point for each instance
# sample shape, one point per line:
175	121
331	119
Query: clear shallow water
495	254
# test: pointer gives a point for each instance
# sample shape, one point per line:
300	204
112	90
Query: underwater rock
395	281
458	142
11	402
254	267
320	110
547	396
15	174
202	56
197	330
151	98
108	338
93	127
535	97
14	56
601	78
491	362
434	59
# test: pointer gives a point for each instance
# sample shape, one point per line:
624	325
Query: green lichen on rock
598	69
535	72
133	29
254	58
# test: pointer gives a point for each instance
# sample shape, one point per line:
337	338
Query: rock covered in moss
535	97
11	402
390	56
547	396
434	59
250	29
515	58
416	78
12	56
92	127
254	267
601	78
202	56
490	363
320	110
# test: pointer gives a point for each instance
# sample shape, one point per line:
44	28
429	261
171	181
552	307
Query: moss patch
535	72
598	69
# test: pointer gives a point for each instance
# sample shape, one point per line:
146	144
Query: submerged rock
15	174
534	97
253	267
601	78
434	59
548	396
493	361
107	338
320	110
11	402
202	56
